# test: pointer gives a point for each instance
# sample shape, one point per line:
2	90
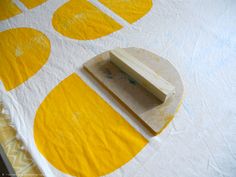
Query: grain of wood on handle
146	77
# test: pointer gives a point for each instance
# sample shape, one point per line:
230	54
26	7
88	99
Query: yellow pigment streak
80	134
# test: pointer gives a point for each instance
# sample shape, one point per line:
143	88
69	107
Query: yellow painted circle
23	52
32	3
8	8
130	10
80	134
79	19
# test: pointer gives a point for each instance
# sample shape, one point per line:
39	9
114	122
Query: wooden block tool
146	77
145	83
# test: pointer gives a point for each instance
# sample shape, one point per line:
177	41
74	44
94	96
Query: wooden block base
139	100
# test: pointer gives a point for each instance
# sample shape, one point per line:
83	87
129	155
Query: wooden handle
146	77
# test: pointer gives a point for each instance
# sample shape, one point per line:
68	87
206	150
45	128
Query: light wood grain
136	98
146	77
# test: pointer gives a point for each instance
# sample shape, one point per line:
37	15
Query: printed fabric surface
71	126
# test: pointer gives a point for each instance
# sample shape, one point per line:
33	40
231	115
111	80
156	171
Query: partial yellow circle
130	10
32	3
23	52
79	19
80	134
8	9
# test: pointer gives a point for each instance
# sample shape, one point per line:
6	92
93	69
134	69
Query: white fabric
199	38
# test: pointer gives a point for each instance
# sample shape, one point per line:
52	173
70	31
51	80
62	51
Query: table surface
13	159
5	165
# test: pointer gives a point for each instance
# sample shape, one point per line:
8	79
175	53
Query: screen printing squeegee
147	84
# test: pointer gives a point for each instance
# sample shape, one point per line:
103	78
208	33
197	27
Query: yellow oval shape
130	10
80	134
79	19
8	9
23	52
